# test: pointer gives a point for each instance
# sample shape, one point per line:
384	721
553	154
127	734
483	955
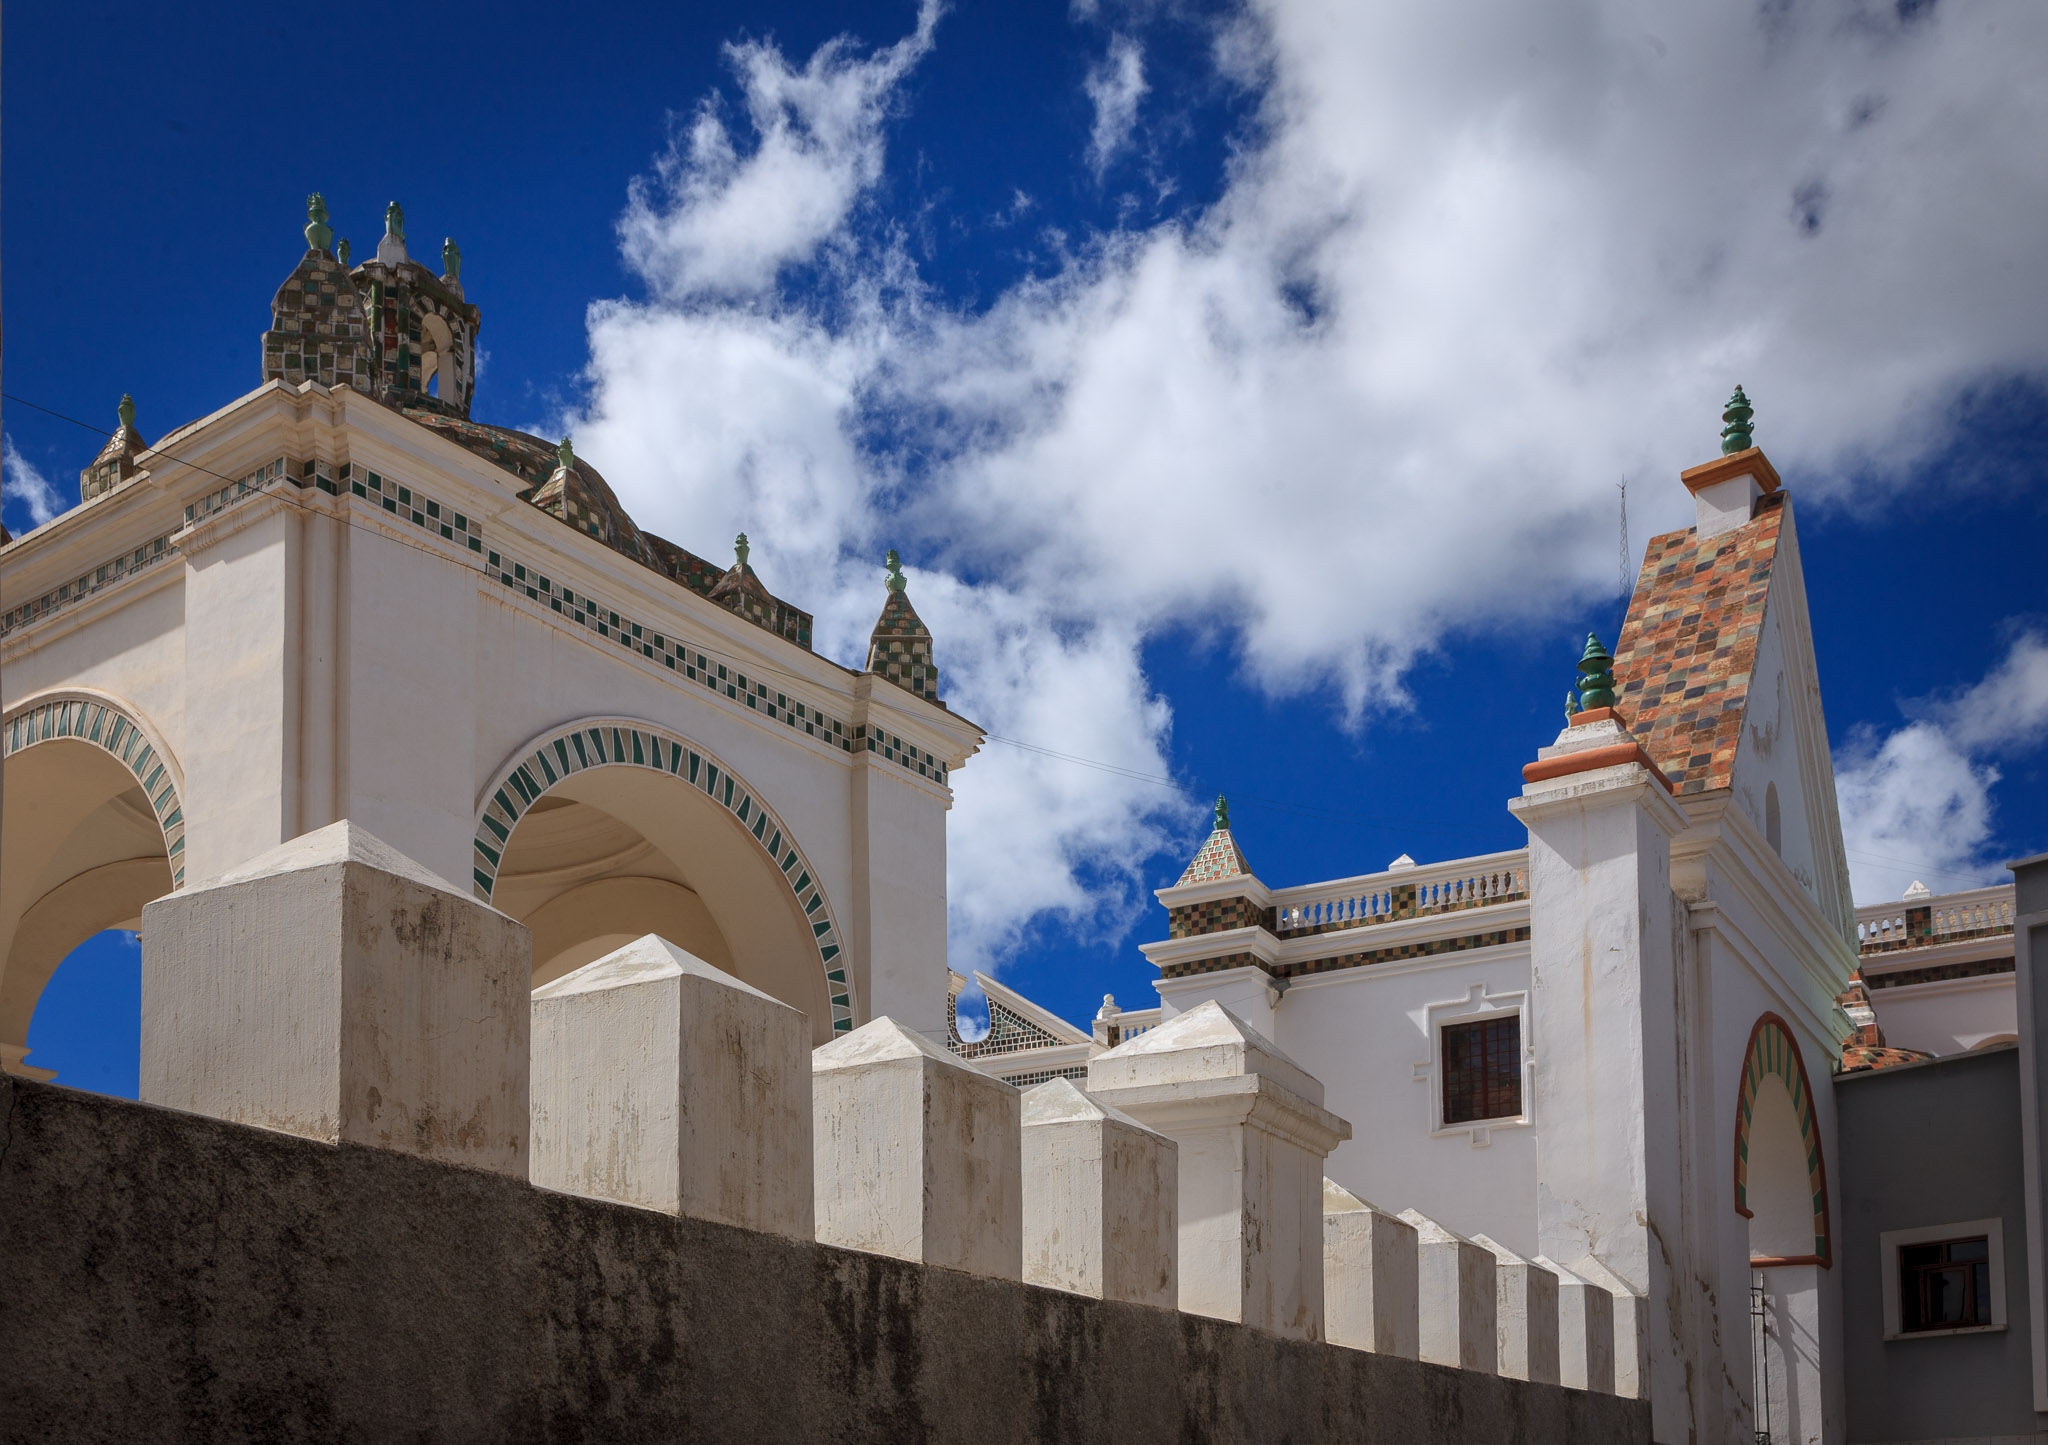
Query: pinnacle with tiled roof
900	647
1219	856
116	462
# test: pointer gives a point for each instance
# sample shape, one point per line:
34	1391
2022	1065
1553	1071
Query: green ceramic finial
1596	676
127	411
565	456
394	221
451	259
740	548
895	565
1735	437
1222	813
341	250
319	235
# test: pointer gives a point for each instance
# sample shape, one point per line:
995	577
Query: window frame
1477	1005
1891	1241
1485	1082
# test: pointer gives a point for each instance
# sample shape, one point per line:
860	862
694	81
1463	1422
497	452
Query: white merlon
1370	1280
1631	1314
335	989
1585	1331
1253	1135
1459	1306
1100	1197
1725	505
1526	1324
918	1154
661	1081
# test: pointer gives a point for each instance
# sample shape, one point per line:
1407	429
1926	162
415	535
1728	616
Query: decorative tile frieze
222	498
1363	958
627	745
1938	973
155	550
113	731
1191	920
414	506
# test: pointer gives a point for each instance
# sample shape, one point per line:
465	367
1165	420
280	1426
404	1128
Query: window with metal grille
1944	1285
1482	1065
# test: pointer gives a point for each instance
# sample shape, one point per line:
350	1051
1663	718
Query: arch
1772	1062
631	743
98	720
437	344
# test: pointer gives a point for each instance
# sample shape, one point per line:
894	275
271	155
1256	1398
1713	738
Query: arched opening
88	1022
92	825
1774	827
609	851
437	356
1781	1186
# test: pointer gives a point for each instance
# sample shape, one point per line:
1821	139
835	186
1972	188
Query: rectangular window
1944	1284
1482	1068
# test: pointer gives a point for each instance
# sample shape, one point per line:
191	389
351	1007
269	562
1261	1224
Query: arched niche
607	829
95	829
1781	1183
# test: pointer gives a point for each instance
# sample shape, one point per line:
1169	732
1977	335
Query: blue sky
1246	386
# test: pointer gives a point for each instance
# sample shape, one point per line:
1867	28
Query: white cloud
1114	86
1917	804
1464	273
25	480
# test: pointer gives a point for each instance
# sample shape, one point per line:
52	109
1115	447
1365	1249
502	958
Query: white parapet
661	1081
1370	1283
1585	1331
1460	1308
1253	1135
1100	1197
1526	1315
918	1153
336	989
1631	1328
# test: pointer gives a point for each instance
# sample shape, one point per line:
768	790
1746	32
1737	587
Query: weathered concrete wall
169	1277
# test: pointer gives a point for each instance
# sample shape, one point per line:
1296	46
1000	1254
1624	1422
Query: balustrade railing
1402	893
1887	926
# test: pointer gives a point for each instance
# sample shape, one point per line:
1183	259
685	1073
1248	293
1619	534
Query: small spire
126	410
1571	704
1596	676
1736	435
394	221
319	235
895	565
341	250
451	259
1222	813
565	457
741	549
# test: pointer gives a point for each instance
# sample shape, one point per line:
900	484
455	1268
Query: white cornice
1371	937
1934	955
1211	890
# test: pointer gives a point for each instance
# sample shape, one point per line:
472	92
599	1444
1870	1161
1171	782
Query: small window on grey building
1944	1285
1774	830
1483	1069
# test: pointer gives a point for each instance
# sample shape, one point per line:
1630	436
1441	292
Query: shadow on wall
88	1022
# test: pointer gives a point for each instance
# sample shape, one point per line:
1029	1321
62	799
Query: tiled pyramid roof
900	648
1218	858
1682	671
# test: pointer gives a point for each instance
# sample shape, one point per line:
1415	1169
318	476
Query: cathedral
1644	1122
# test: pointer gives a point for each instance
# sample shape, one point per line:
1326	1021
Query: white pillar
1585	1331
1631	1329
1370	1279
1460	1306
1100	1195
660	1081
1525	1299
918	1153
334	988
1253	1136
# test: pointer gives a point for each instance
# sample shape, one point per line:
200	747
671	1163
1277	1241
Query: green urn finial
127	411
1596	676
740	549
394	221
565	456
895	565
1735	437
319	235
341	251
451	259
1222	813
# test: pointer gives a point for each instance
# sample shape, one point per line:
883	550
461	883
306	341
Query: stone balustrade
335	990
1401	892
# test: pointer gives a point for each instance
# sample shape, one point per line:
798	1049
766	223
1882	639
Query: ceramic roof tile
1218	858
1689	645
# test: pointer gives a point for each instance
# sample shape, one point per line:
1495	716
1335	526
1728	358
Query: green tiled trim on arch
98	722
1773	1060
621	742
